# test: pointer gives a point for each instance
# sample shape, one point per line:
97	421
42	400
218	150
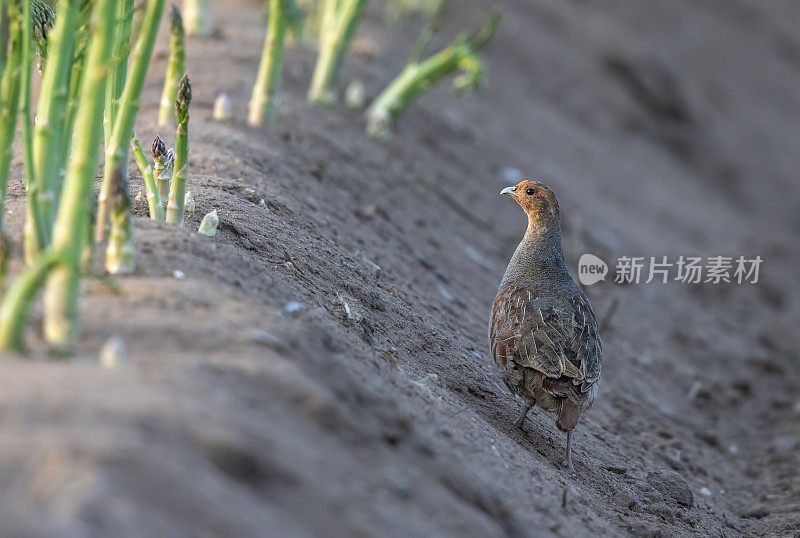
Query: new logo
591	269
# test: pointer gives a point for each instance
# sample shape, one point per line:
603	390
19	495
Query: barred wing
555	341
586	340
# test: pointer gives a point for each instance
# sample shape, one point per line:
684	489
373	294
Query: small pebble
222	108
350	314
733	449
371	211
180	275
265	339
446	294
705	491
694	390
373	267
251	195
293	307
510	175
354	95
113	352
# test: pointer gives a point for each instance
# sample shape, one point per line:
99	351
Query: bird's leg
521	418
568	462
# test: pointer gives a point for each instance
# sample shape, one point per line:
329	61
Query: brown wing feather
553	341
587	344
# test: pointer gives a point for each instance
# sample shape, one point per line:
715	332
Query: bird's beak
509	190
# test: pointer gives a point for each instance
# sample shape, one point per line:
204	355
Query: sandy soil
252	404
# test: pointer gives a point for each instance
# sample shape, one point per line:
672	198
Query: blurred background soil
252	402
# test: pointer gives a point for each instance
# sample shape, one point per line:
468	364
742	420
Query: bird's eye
530	192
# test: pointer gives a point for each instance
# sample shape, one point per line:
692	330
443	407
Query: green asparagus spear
60	263
9	97
119	64
175	68
163	160
114	201
267	90
419	76
339	21
37	235
177	191
197	17
48	151
153	199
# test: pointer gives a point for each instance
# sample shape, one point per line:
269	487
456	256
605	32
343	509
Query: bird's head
538	201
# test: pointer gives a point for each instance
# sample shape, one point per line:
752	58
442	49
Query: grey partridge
543	331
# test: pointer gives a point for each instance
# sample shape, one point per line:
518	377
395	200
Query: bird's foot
567	464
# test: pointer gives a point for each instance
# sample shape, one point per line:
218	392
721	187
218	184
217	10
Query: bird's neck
538	257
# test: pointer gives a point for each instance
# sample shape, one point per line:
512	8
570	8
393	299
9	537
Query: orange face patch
538	201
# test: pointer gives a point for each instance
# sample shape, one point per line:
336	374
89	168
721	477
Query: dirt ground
252	404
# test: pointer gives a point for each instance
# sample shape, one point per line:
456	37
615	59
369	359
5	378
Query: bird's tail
568	415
